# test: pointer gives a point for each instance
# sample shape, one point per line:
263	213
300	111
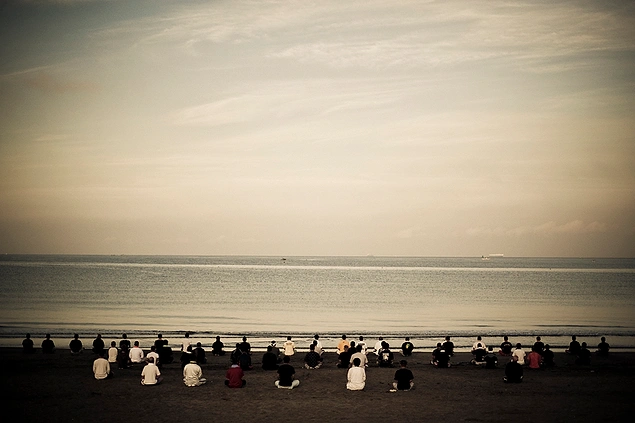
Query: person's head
76	336
316	336
345	347
244	339
288	338
537	339
573	338
286	359
584	345
269	348
312	347
438	345
381	338
447	338
603	339
361	338
352	344
505	338
547	347
199	345
273	342
150	359
314	343
159	336
153	348
189	348
187	334
343	336
113	344
99	336
124	336
479	345
217	338
234	361
384	344
136	343
478	338
403	363
28	336
407	338
518	346
48	336
490	349
357	362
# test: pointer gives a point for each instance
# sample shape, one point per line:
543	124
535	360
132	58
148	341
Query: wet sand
61	387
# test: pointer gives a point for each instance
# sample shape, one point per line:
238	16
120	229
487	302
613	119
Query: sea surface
272	297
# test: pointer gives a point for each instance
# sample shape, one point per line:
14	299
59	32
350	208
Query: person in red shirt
234	376
533	359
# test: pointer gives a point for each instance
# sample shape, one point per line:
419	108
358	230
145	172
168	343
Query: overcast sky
331	127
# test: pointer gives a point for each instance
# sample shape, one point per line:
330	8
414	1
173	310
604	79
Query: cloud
47	83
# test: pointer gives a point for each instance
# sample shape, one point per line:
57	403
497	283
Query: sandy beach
61	387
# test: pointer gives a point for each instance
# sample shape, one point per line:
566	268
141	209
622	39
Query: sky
331	127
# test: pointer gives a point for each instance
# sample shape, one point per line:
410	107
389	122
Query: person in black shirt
312	360
270	360
404	379
506	347
513	371
48	346
386	356
245	346
344	358
407	347
584	355
547	357
448	346
98	345
574	346
75	345
199	354
27	345
285	375
490	359
217	347
603	347
539	346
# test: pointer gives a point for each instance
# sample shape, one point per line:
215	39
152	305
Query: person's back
506	347
245	346
269	360
547	357
136	353
28	347
113	352
356	377
479	353
344	358
245	361
75	345
150	375
574	346
48	346
513	371
288	347
407	347
603	347
584	355
217	347
285	375
193	375
448	346
490	359
98	345
359	354
539	346
519	354
101	368
234	376
404	379
343	343
312	359
533	360
385	356
199	354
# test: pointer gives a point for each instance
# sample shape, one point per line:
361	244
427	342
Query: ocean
267	298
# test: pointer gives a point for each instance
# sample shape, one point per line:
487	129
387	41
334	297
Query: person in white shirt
113	352
378	345
288	347
153	353
136	353
476	346
318	344
362	357
151	375
363	345
101	368
193	375
186	342
356	377
519	353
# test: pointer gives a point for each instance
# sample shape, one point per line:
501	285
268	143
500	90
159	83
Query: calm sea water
265	297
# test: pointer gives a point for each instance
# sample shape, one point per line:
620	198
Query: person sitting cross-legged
285	375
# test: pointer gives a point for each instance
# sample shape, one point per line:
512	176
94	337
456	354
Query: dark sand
61	387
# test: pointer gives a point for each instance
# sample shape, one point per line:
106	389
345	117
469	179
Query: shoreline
61	386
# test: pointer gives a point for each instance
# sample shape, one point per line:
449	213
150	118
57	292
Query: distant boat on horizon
497	255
